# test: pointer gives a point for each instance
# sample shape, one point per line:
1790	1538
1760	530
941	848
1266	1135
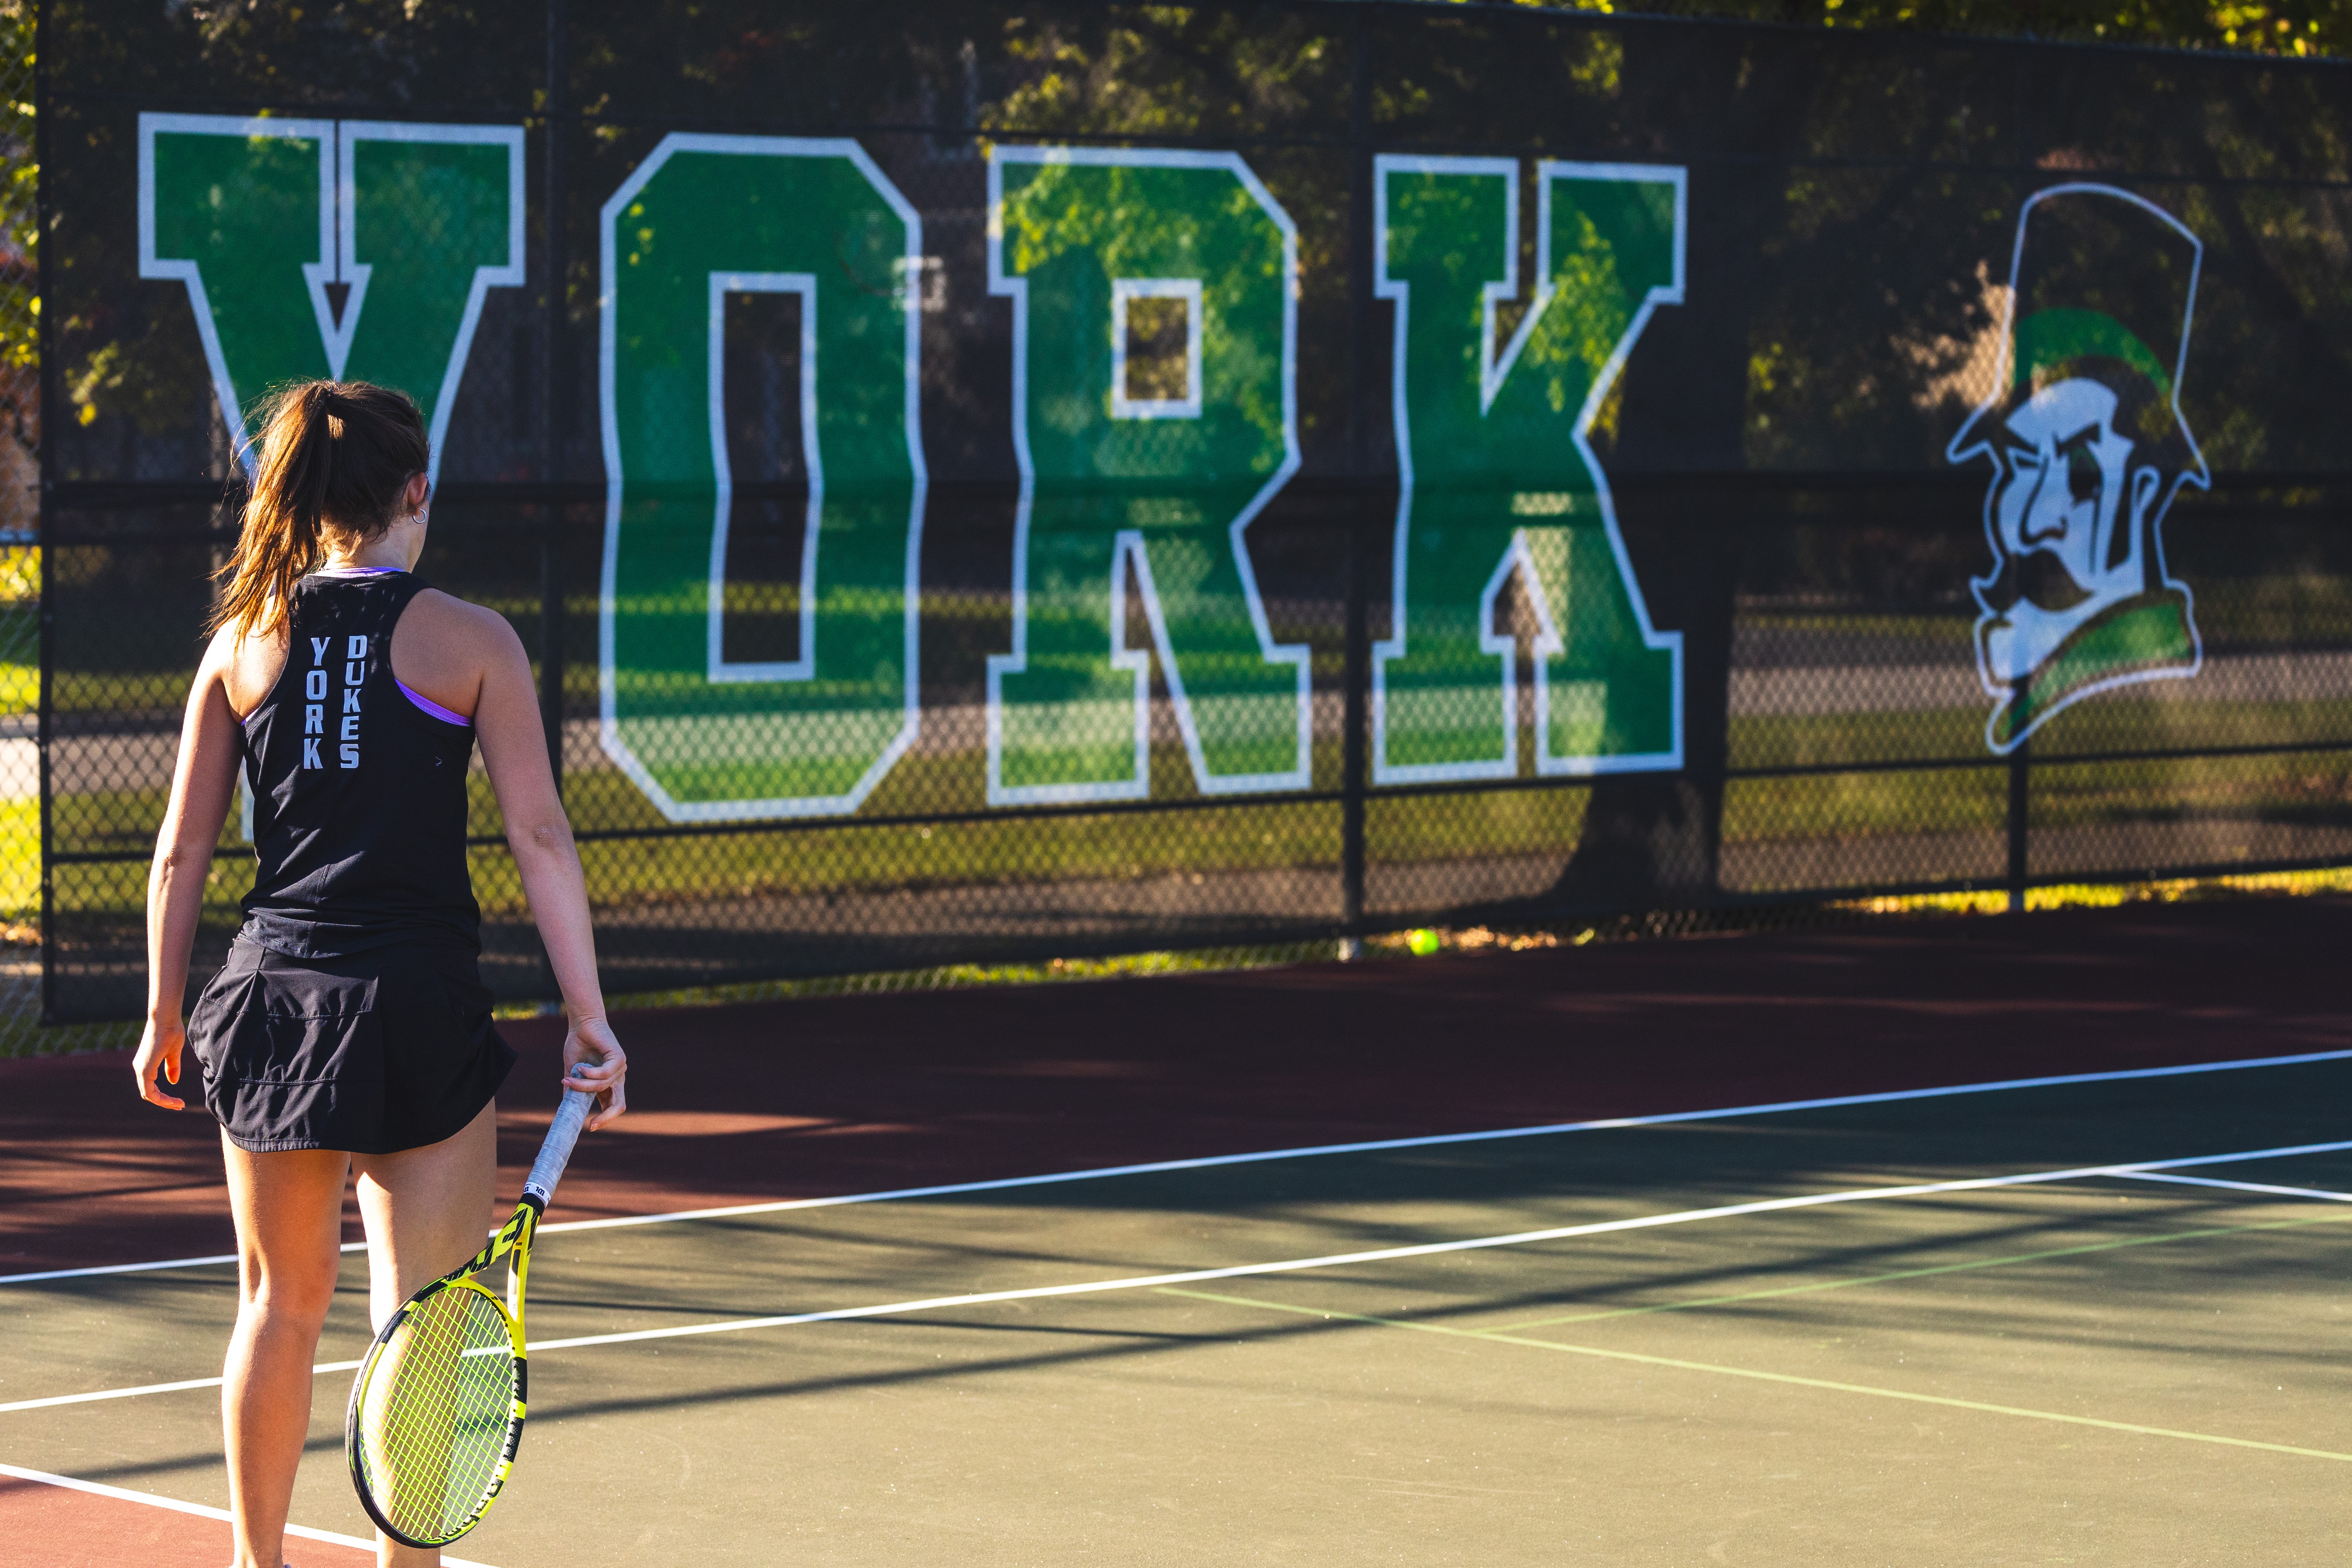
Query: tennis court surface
2093	1316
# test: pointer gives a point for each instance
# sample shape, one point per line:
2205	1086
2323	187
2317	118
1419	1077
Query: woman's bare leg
289	1207
427	1210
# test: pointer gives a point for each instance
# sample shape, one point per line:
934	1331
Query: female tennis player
349	1032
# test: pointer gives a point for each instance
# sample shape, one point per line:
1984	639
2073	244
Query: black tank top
359	795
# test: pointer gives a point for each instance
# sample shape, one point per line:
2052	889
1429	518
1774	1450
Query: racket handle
562	1134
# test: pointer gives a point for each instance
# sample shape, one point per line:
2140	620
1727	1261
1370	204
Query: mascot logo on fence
2088	445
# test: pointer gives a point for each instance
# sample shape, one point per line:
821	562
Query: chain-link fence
986	482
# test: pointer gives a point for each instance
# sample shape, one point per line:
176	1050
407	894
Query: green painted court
1938	1328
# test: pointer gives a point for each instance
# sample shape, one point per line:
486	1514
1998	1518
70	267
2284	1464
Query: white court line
119	1495
2245	1187
1604	1124
1295	1265
144	1388
142	1267
119	1268
1374	1146
1430	1248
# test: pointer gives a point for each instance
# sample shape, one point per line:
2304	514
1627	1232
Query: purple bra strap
430	706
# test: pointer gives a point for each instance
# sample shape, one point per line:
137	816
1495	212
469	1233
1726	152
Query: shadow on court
850	1094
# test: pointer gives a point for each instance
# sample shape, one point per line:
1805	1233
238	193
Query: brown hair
334	454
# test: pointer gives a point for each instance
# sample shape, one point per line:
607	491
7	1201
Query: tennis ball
1423	942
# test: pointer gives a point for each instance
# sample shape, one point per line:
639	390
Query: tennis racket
436	1410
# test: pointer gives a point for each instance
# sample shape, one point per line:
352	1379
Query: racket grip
556	1152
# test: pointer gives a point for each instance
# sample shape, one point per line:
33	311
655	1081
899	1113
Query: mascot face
2063	490
2088	446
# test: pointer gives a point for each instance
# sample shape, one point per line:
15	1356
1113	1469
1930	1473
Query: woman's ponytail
334	455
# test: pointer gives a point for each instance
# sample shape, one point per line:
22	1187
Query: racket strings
432	1417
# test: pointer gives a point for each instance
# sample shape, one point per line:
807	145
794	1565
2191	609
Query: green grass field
2309	789
2294	787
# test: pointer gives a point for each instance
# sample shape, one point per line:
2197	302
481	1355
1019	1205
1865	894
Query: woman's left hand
591	1041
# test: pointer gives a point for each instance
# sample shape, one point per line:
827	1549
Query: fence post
51	385
1355	675
550	451
1352	748
2020	827
550	361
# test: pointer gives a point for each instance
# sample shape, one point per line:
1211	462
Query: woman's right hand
160	1045
589	1042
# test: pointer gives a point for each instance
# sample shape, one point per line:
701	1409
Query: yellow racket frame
514	1238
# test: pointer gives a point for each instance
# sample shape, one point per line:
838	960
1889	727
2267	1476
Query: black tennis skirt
389	1050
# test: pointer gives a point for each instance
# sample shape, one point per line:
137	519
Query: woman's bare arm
202	782
514	749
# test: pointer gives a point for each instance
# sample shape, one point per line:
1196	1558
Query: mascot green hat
2102	286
